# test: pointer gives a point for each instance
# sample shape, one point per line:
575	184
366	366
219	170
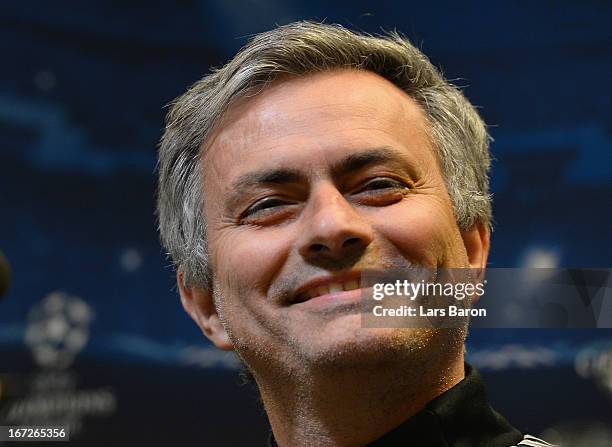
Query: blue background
83	87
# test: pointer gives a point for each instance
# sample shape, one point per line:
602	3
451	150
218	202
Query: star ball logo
58	329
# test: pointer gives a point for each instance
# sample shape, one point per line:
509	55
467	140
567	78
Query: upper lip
303	292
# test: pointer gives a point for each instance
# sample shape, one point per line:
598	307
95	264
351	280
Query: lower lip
345	296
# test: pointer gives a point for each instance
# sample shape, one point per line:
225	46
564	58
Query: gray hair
457	132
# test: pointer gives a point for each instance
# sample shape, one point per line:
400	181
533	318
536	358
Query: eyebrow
275	176
366	158
251	180
283	176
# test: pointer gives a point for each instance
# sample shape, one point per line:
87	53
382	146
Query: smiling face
306	184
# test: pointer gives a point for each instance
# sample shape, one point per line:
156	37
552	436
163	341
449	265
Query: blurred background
92	334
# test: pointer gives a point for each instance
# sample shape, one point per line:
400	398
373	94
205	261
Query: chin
337	348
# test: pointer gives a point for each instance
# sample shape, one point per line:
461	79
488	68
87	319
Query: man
314	154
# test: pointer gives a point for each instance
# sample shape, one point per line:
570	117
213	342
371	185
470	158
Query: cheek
422	229
245	263
246	260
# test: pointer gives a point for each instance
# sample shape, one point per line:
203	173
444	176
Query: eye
381	191
382	183
263	208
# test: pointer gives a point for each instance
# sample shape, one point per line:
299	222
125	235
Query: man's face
306	185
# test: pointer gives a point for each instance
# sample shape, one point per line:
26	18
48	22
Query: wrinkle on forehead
289	106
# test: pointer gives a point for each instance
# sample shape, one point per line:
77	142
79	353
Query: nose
333	229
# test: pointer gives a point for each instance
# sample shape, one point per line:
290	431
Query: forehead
311	120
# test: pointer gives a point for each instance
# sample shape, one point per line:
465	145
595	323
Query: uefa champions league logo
58	329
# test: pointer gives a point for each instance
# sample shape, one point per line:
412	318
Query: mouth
327	286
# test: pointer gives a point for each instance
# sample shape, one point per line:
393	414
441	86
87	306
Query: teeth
351	285
335	287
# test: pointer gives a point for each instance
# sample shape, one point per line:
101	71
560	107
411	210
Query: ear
476	242
199	304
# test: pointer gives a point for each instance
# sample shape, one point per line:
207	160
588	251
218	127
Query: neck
355	406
